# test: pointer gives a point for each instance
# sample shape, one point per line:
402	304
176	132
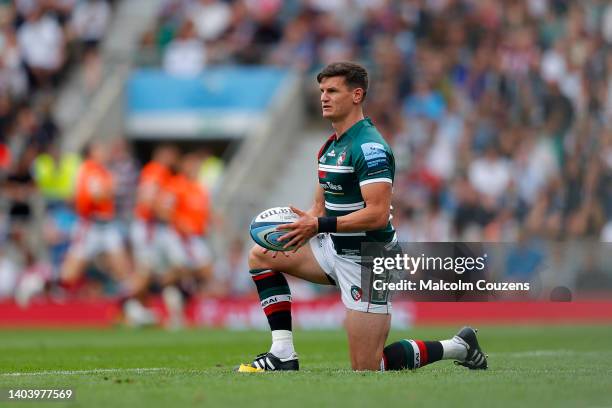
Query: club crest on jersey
356	292
341	158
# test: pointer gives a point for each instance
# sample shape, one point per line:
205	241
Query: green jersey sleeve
374	163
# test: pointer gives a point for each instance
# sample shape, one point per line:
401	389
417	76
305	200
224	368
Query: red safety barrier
74	313
580	312
319	313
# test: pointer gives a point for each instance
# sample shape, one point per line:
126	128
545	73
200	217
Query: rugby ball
263	227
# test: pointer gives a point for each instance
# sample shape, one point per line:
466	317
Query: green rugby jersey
361	156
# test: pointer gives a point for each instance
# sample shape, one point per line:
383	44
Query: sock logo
275	299
356	292
417	353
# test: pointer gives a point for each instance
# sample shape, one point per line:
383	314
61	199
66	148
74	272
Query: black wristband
328	224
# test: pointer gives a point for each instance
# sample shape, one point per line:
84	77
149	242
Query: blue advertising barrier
220	102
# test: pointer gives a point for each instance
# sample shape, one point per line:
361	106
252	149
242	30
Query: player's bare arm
318	206
375	215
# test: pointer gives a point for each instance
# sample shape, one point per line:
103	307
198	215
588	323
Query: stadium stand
499	114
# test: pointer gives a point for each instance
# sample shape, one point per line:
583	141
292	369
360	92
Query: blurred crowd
499	112
112	228
41	42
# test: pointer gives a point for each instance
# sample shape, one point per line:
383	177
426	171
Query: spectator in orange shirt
147	225
96	231
185	204
148	232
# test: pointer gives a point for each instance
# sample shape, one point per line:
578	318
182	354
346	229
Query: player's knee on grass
367	333
365	363
365	358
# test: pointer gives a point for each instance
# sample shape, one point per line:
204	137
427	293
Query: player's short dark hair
354	74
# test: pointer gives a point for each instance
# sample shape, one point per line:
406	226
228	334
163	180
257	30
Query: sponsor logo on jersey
356	292
323	159
373	150
374	154
332	153
331	186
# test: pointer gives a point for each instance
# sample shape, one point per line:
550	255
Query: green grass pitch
529	366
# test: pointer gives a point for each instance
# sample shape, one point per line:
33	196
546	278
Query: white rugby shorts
188	252
346	274
151	244
90	238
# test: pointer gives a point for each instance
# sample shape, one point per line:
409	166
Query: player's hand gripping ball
263	227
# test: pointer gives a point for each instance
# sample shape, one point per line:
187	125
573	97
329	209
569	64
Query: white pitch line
80	372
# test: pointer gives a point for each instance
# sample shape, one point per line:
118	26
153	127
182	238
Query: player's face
337	100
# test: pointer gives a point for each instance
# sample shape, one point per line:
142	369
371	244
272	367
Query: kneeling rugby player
351	206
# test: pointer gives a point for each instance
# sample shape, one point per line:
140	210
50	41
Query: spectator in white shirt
211	18
41	40
490	175
185	56
89	22
13	78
